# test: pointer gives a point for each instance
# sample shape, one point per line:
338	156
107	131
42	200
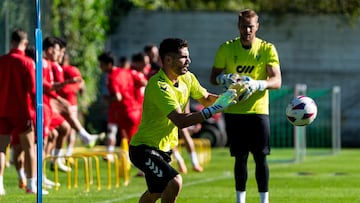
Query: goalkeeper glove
249	87
222	102
260	85
227	79
240	89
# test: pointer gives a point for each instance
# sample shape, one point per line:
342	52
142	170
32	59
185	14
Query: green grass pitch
317	179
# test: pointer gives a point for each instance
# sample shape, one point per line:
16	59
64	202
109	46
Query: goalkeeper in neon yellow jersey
251	66
166	96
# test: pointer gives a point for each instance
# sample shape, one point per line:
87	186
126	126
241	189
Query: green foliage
209	5
13	16
118	9
349	8
84	24
16	15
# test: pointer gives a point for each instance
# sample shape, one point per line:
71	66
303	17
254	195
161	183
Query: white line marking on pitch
130	196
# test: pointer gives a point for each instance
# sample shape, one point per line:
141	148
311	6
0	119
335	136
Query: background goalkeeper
165	99
251	66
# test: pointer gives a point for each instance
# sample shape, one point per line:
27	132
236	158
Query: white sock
111	148
21	174
194	158
31	183
1	182
178	156
58	152
84	133
264	197
240	196
69	151
52	152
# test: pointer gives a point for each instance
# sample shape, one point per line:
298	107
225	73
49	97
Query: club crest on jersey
163	87
162	83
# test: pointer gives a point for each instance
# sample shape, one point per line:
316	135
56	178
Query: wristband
206	113
262	85
220	79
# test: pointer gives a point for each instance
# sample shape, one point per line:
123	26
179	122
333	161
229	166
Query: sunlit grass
318	178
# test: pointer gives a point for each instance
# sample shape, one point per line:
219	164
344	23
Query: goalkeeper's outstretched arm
183	120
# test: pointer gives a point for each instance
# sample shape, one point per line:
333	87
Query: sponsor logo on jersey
244	69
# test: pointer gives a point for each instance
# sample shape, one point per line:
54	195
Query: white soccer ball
301	111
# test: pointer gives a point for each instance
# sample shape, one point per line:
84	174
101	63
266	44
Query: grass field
318	179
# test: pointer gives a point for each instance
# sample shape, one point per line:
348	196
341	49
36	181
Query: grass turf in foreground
321	178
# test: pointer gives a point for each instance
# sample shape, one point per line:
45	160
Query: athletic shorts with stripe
155	164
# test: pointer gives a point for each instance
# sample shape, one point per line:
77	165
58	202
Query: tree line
86	24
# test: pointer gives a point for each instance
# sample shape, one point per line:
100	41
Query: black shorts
248	133
155	164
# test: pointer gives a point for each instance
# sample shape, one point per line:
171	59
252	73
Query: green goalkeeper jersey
233	58
161	98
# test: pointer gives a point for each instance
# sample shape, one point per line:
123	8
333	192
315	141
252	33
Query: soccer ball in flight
301	111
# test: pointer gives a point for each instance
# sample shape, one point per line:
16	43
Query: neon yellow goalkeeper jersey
233	58
161	98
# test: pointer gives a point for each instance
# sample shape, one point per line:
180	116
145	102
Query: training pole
39	100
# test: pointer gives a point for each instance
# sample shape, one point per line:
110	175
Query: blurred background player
124	113
70	91
139	65
53	80
152	51
60	104
124	62
186	134
17	107
47	145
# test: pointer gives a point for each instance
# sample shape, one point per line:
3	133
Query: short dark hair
148	47
50	42
63	42
171	45
138	57
18	35
123	59
107	57
247	13
30	51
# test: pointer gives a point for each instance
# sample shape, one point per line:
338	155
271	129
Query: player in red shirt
140	62
69	92
60	104
124	113
140	68
152	51
17	107
59	128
